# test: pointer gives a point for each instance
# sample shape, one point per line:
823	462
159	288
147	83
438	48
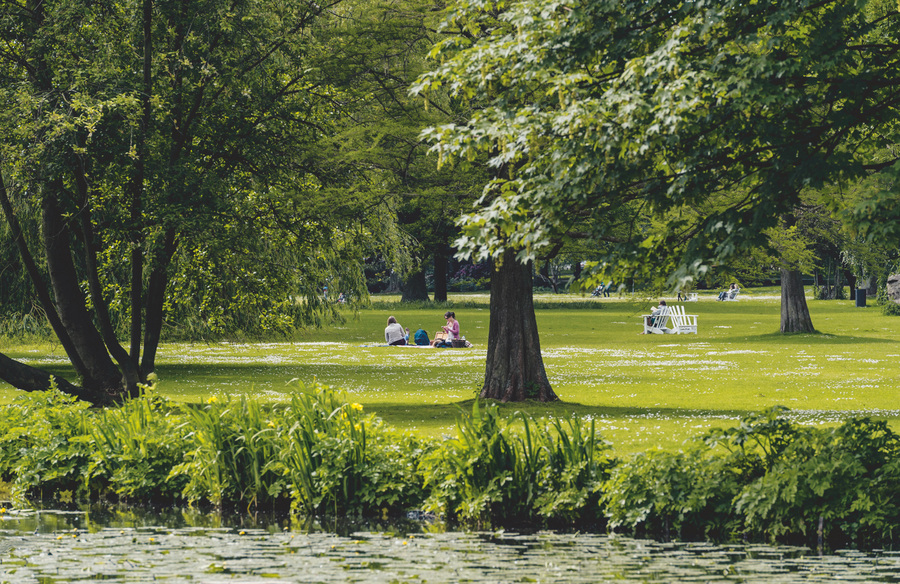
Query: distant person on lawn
394	334
654	318
730	293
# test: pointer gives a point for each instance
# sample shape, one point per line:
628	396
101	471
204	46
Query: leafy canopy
629	110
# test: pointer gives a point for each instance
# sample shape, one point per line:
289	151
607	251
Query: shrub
135	447
766	478
45	444
496	474
839	484
230	446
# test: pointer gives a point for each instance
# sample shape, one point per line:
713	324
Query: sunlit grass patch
643	390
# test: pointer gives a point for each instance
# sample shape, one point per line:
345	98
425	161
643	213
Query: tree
599	106
174	163
375	52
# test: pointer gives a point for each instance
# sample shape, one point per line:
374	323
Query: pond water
47	547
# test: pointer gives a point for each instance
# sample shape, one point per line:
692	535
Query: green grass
643	390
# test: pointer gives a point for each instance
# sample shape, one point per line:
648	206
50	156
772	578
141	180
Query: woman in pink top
452	330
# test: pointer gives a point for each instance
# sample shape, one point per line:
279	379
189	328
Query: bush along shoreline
767	479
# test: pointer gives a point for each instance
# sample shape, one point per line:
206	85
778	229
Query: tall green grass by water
765	478
641	391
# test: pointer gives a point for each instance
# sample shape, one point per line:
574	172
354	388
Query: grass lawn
643	390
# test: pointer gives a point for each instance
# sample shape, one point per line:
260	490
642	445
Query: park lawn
643	391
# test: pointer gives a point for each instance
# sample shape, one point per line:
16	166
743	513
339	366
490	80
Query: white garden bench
683	323
670	320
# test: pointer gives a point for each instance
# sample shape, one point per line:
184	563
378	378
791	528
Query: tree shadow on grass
816	338
561	409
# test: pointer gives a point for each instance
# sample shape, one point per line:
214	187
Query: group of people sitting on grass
395	334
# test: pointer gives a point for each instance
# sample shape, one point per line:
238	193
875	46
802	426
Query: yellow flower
271	424
2	510
357	407
212	400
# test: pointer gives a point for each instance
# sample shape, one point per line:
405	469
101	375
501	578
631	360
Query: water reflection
117	545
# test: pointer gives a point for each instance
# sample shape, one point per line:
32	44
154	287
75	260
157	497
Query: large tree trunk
414	287
514	369
68	314
37	281
440	277
794	311
102	373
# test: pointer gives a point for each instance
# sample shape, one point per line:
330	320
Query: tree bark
515	369
137	190
95	286
440	277
156	297
38	282
26	378
101	373
414	287
794	311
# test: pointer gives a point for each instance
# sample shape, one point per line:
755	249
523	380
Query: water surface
47	547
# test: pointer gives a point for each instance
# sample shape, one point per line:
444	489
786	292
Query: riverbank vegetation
319	454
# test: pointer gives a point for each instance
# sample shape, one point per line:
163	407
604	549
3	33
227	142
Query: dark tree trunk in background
576	271
548	278
515	368
440	277
851	281
414	287
794	311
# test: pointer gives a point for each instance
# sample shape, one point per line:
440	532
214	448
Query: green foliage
135	447
686	495
230	446
495	473
23	326
776	481
45	444
336	460
765	479
618	121
187	175
888	306
843	479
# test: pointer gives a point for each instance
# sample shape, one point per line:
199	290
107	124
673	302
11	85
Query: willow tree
600	106
162	155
